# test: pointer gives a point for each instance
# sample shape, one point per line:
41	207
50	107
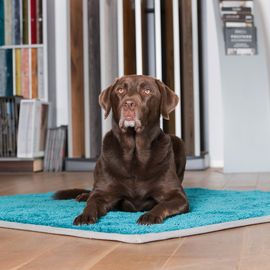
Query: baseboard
196	163
79	164
216	163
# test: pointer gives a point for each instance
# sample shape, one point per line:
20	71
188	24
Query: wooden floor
242	248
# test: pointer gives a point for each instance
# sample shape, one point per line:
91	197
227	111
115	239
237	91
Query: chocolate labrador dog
140	168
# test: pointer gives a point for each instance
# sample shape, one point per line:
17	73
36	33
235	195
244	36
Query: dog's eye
120	91
146	91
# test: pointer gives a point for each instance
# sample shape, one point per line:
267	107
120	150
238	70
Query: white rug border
135	238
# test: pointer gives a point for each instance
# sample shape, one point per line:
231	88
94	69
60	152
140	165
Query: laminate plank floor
241	248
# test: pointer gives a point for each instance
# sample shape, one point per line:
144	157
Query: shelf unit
44	47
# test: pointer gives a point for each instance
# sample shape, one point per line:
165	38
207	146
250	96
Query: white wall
212	81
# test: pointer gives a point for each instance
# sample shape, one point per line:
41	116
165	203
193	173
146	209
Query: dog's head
137	101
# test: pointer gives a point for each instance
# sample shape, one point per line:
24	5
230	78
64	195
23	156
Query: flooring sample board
9	72
3	77
129	37
168	56
77	86
8	22
94	77
16	19
33	123
18	68
34	73
40	73
25	73
2	23
9	115
33	11
25	22
186	56
39	22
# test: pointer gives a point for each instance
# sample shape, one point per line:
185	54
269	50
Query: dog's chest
137	191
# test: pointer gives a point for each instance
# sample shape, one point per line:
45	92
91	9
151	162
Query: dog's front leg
174	203
98	204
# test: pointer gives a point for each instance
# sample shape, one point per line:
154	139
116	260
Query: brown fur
140	168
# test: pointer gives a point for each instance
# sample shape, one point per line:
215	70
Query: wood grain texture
168	56
77	87
187	76
33	19
244	248
18	74
25	21
129	37
39	22
145	35
25	80
34	73
94	77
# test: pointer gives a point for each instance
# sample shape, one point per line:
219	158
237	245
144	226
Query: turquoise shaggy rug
210	210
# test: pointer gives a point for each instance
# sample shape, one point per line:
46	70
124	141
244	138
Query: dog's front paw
148	219
85	219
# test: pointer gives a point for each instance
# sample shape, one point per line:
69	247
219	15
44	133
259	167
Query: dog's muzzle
129	116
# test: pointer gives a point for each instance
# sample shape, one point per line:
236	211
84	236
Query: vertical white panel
158	51
45	51
150	20
63	68
177	79
158	40
86	80
196	94
120	37
138	30
108	50
62	62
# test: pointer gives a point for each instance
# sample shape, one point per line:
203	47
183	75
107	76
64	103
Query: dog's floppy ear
105	98
169	99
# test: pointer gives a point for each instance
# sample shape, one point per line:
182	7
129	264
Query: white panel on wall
177	74
138	34
62	60
195	50
212	99
158	51
150	21
120	37
158	39
108	50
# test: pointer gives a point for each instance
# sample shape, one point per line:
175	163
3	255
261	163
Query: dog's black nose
129	105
